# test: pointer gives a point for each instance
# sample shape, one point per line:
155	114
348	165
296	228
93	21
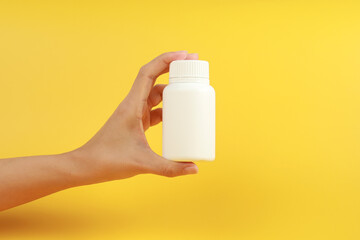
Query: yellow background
287	81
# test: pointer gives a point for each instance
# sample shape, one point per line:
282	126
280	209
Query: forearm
28	178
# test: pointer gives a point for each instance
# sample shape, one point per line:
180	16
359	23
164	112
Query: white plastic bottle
189	112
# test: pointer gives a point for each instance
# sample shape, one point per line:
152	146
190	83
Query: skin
118	150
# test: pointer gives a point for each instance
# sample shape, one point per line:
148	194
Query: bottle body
189	121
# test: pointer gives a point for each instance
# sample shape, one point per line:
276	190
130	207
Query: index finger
148	73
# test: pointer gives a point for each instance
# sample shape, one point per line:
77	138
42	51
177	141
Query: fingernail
191	170
192	56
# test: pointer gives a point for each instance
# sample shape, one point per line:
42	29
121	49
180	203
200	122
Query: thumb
164	167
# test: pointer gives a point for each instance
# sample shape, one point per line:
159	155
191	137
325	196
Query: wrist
86	168
77	168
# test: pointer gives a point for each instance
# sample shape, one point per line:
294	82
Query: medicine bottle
189	112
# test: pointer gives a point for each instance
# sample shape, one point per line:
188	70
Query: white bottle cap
189	69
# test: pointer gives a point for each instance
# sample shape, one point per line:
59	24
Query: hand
120	149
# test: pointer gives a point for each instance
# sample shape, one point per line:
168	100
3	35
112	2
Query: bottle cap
189	69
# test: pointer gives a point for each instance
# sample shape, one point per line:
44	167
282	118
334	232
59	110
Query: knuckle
126	107
163	55
168	172
143	69
145	72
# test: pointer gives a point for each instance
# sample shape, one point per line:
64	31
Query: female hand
120	149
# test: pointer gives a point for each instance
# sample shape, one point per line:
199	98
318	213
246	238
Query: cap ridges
189	69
